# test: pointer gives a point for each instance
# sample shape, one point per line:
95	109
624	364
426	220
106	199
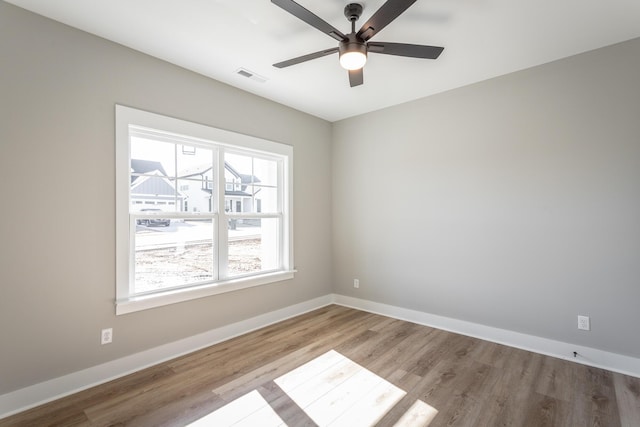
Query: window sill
144	302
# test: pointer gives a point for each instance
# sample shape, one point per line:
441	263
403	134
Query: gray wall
513	203
58	87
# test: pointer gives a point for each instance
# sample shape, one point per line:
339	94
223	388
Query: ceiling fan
353	47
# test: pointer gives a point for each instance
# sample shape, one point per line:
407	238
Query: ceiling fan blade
404	49
356	77
303	14
383	16
304	58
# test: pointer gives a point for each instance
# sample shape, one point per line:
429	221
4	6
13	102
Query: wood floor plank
268	371
70	410
439	348
556	379
137	404
253	345
435	388
628	399
181	412
405	354
496	355
596	403
457	409
285	407
373	345
418	415
545	411
477	380
511	394
51	415
431	376
248	410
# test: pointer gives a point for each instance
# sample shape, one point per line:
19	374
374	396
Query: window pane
239	165
172	253
265	199
253	245
266	171
154	153
196	195
252	183
152	179
195	176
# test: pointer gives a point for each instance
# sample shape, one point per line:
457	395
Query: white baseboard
37	394
586	355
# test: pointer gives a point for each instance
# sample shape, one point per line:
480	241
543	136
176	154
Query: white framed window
166	253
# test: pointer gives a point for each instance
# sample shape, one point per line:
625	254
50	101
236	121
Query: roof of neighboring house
194	171
228	193
155	185
236	193
202	169
244	179
145	166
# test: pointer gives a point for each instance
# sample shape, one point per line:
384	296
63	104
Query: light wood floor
468	381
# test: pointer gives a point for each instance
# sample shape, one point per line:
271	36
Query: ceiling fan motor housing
353	11
352	44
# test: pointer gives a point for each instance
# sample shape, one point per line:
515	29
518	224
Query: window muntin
202	216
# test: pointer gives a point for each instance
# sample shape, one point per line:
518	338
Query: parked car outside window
150	222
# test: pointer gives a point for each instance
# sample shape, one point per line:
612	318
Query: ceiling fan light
353	60
353	53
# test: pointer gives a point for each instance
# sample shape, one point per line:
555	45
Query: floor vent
251	75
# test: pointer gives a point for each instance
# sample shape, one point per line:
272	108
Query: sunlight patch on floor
335	391
249	410
419	415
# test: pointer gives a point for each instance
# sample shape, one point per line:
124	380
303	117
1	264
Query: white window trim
126	117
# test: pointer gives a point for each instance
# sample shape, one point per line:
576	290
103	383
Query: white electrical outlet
583	323
106	336
356	283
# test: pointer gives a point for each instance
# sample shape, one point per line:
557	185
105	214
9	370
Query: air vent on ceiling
251	75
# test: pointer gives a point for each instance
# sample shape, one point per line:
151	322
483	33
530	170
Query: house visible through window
199	210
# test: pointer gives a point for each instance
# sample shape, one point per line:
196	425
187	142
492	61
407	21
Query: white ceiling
482	39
